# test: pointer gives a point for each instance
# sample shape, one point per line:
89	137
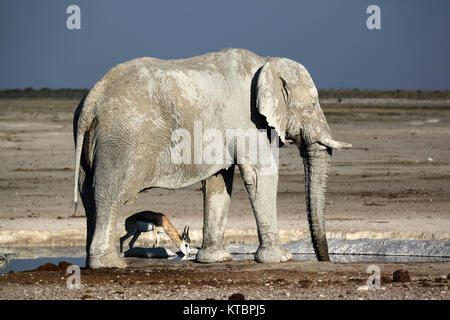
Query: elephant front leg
216	201
262	191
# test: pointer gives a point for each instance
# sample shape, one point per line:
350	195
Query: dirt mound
53	267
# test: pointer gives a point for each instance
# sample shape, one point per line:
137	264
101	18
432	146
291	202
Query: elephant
124	137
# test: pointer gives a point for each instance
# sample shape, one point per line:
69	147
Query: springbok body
158	223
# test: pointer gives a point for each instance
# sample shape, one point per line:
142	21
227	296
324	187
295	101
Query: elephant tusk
333	144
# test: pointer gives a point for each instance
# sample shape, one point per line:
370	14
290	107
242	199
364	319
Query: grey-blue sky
411	51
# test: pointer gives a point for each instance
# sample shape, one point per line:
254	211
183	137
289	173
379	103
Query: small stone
236	296
304	283
363	288
385	279
401	275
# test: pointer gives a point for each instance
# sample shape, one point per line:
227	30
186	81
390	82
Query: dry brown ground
395	183
150	279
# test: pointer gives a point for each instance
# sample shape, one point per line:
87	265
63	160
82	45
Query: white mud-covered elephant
139	128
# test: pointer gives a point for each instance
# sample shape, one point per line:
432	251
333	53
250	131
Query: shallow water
18	265
370	250
352	258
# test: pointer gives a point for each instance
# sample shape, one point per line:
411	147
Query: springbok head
185	242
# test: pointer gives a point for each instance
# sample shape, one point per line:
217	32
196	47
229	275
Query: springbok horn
333	144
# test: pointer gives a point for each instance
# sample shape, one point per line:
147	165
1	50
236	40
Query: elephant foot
272	254
109	260
213	255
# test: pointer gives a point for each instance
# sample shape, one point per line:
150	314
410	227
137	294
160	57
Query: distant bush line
30	93
44	93
395	94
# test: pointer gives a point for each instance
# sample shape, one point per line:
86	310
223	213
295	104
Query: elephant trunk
316	164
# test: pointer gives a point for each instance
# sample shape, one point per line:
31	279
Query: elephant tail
84	123
78	149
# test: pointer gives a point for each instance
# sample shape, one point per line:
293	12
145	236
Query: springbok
158	223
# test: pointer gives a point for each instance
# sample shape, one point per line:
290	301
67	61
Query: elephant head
288	98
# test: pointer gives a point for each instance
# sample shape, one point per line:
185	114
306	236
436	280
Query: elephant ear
272	93
270	98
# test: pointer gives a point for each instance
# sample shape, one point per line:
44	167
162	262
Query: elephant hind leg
216	201
101	221
115	182
103	253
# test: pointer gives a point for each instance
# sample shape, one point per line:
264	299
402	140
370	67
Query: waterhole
362	250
